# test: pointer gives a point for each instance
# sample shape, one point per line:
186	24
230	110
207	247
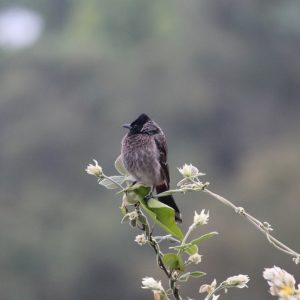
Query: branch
154	244
264	228
191	182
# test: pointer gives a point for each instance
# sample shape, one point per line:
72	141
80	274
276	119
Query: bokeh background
223	80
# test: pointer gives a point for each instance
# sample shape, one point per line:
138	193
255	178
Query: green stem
191	228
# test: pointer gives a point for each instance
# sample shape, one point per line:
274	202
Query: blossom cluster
282	284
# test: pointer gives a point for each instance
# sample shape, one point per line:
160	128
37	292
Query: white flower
151	284
202	218
239	281
141	239
205	288
281	283
294	297
195	258
208	288
133	215
215	297
95	170
189	171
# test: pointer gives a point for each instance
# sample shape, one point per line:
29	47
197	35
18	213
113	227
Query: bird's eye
136	128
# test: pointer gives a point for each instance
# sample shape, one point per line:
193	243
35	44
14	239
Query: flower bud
95	170
133	215
239	281
208	288
202	218
195	258
190	171
140	239
131	198
152	284
281	283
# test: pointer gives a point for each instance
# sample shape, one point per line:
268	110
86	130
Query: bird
144	155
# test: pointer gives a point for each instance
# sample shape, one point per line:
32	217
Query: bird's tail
169	200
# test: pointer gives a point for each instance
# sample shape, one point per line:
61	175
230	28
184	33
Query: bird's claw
148	197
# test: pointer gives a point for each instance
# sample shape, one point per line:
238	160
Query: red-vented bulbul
144	154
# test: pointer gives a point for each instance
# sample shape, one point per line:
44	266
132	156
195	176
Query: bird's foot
133	183
148	197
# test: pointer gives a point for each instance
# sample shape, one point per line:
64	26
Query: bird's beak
128	126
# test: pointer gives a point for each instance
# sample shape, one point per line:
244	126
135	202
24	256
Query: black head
142	125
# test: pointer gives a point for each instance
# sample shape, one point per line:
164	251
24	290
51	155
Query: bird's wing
161	145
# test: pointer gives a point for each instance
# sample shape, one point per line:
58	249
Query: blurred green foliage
223	80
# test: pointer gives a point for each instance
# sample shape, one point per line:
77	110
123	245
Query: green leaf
123	210
197	274
140	189
133	223
193	249
182	247
167	193
173	261
203	237
161	213
164	216
188	248
142	219
120	166
186	276
131	197
110	184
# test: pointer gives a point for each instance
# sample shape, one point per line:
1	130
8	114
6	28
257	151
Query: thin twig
154	244
258	224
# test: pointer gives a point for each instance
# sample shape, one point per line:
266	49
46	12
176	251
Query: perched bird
144	154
